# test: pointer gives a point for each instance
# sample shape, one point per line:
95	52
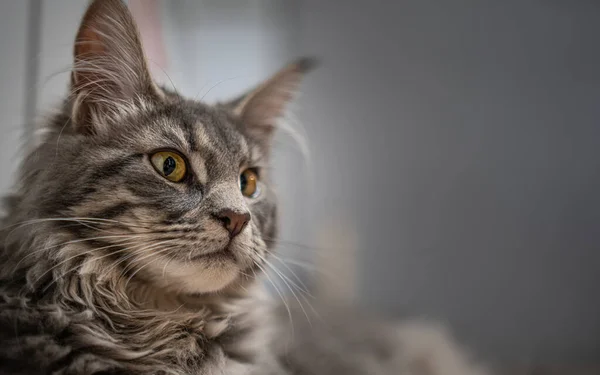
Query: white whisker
287	307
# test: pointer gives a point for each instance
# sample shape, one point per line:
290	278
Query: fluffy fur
338	339
106	267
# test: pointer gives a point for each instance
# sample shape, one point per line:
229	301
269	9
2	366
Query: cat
138	226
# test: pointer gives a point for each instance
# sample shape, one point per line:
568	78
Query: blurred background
443	161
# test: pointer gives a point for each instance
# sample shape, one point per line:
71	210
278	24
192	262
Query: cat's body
138	225
66	306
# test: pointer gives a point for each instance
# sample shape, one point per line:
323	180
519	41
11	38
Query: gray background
13	72
454	156
463	138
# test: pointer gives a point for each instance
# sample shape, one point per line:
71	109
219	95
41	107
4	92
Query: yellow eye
169	164
249	183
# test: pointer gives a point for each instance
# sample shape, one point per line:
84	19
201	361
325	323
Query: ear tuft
260	109
110	69
306	64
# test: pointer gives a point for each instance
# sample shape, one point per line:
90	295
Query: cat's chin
203	275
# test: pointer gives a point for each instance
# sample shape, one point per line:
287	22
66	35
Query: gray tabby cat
137	228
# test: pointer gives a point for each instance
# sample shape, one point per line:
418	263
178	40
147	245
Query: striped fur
106	267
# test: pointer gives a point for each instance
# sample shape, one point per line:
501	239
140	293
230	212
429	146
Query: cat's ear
110	70
260	109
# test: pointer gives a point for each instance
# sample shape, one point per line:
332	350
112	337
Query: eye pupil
243	182
249	183
169	165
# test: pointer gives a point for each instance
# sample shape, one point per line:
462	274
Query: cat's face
177	192
178	185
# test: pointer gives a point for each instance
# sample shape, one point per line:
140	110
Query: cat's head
169	189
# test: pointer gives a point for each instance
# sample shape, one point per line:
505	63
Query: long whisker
68	259
292	272
125	237
147	248
165	73
95	259
215	85
287	307
285	280
162	251
310	268
302	289
72	219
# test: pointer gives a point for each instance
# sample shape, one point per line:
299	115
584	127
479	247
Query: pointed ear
110	71
260	109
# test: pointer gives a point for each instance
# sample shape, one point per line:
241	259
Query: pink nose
234	222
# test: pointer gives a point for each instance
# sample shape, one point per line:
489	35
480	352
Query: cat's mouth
232	254
224	254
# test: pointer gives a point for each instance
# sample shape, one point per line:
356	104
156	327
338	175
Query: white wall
13	50
229	43
60	21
